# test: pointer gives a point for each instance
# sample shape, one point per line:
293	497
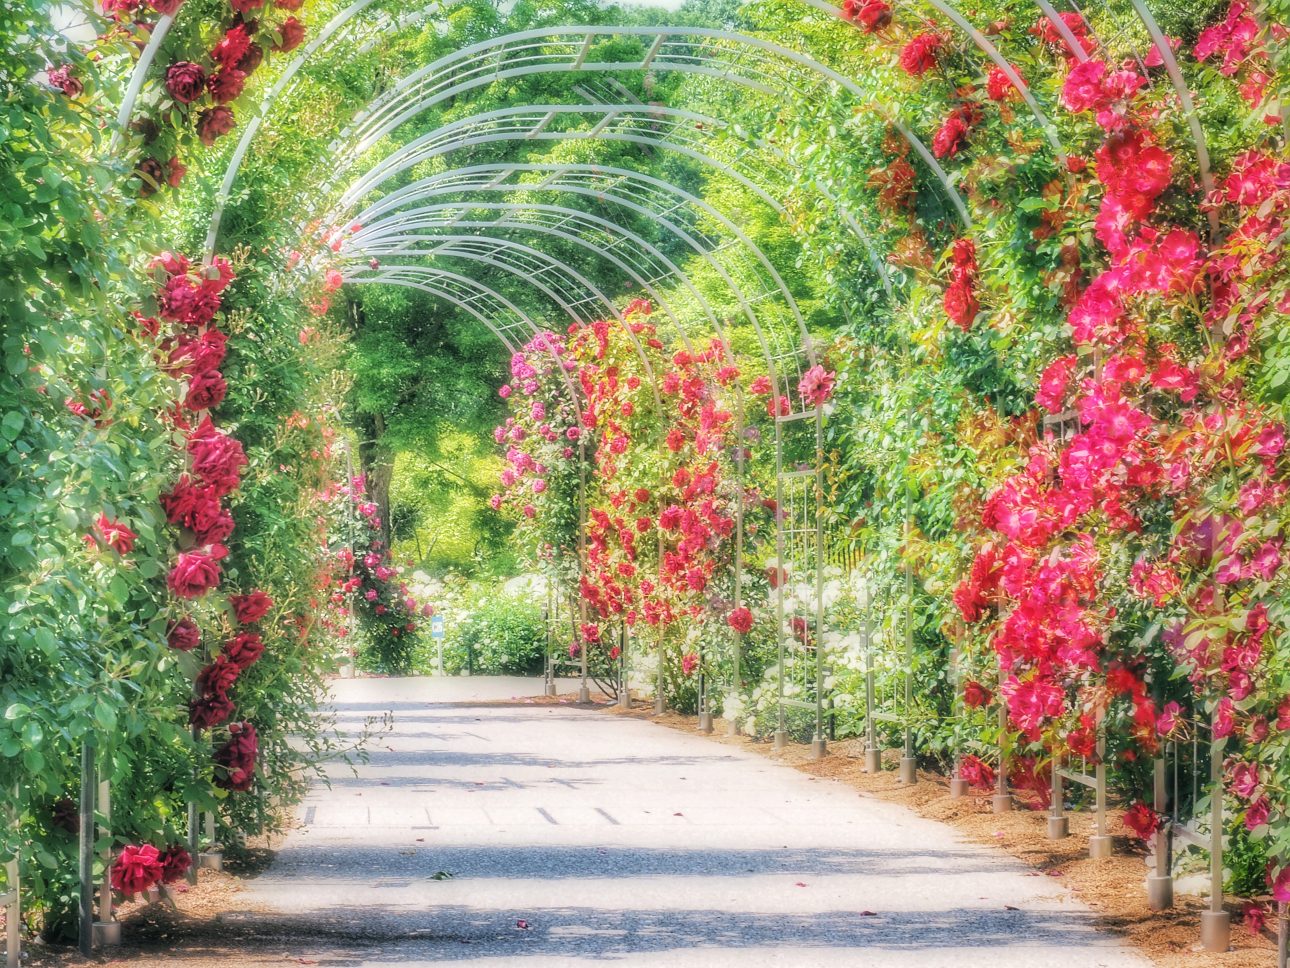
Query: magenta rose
185	81
136	869
184	635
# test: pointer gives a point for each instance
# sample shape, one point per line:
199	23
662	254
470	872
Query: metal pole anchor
1160	883
1059	825
107	930
1216	923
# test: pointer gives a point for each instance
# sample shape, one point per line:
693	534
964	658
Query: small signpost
437	633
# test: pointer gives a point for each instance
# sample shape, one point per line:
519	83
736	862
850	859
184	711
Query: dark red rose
183	301
205	390
63	79
237	758
210	523
217	458
249	61
200	355
218	677
175	861
226	85
292	5
975	695
185	81
214	123
293	35
245	649
66	816
184	635
209	711
196	572
136	869
167	8
250	607
152	175
232	46
175	172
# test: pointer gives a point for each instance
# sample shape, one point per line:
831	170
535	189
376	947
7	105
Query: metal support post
1216	923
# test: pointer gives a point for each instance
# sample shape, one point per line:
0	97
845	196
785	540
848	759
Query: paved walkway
527	835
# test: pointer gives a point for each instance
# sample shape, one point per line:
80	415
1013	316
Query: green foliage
491	633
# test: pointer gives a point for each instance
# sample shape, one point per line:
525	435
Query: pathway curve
531	835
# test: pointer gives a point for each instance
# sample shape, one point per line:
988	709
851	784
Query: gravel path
532	835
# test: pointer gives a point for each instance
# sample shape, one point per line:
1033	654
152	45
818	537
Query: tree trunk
378	467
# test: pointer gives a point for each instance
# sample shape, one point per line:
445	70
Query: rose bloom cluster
541	435
141	867
366	570
205	88
1152	427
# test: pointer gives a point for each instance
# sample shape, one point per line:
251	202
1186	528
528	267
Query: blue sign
436	627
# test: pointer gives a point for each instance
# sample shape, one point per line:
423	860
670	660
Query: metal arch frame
459	247
425	148
373	231
655	59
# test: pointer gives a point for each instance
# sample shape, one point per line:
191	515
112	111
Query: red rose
246	6
919	55
237	758
245	649
951	137
250	607
184	635
288	4
977	772
214	123
115	535
293	35
209	522
872	15
226	85
1142	820
175	860
185	81
167	8
217	458
205	390
209	711
218	677
136	869
63	79
175	172
232	47
196	572
249	61
183	301
975	695
741	620
960	303
206	352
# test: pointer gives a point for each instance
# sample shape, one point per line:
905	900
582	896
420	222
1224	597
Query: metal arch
450	287
565	216
529	263
333	26
525	273
634	205
442	141
657	58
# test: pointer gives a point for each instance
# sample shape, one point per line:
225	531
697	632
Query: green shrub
492	634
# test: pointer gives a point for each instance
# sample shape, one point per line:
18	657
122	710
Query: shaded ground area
521	833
